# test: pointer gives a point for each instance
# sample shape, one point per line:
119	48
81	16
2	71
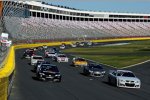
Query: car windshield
96	66
128	74
49	68
45	62
51	53
37	58
61	56
80	59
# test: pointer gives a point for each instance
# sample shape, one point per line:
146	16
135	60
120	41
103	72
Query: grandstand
37	21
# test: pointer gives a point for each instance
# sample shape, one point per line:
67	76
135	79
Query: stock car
95	70
50	53
56	50
48	72
89	43
73	45
61	58
36	58
38	65
44	46
63	46
123	78
79	62
81	44
28	53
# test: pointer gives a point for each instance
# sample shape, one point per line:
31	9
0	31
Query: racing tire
57	80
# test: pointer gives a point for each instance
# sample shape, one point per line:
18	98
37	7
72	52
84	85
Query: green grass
117	56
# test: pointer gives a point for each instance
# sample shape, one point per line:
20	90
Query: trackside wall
8	66
7	74
39	44
122	39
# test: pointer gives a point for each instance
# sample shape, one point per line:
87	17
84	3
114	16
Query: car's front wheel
57	80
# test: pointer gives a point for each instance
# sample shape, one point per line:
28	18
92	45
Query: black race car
48	72
28	53
95	70
56	50
38	65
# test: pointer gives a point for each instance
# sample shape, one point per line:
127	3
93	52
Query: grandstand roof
35	3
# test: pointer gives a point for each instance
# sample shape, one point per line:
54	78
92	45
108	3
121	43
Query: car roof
95	64
124	71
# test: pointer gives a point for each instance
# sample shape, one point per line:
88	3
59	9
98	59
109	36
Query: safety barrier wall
7	74
8	69
122	39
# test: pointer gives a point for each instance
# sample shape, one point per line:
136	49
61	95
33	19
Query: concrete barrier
7	74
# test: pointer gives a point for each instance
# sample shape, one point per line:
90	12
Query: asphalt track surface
74	85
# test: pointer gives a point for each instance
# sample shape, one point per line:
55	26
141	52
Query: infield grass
116	56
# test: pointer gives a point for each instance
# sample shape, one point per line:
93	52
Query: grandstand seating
53	29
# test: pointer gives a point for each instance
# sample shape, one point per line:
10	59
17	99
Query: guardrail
8	69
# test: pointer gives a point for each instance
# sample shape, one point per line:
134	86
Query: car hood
128	78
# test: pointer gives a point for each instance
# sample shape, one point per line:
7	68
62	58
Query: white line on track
136	64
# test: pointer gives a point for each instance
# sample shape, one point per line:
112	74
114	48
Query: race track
74	85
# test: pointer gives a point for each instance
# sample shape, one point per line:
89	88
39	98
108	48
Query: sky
130	6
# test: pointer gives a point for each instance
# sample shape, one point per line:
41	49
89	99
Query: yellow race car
79	62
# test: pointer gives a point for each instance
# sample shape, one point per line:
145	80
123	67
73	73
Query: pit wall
8	66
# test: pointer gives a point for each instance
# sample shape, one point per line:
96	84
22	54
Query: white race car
81	44
62	47
73	45
61	58
36	58
123	78
89	43
50	53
